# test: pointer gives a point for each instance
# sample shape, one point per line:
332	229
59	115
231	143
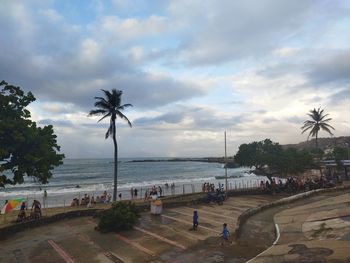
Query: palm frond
326	125
327	130
306	129
97	112
108	94
109	131
101	99
122	116
102	105
125	106
107	115
324	116
117	94
326	120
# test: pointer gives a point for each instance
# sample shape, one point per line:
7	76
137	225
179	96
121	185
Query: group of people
172	185
154	192
133	193
210	187
35	212
296	184
88	201
225	233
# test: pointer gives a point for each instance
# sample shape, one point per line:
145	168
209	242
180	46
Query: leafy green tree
110	106
340	153
257	154
270	159
319	121
25	149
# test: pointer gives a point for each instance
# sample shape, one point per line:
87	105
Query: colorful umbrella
11	204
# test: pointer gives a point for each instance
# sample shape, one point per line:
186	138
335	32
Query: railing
65	201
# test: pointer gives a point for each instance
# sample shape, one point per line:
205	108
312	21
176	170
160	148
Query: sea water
77	177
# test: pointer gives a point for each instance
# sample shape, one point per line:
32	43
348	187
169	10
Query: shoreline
57	199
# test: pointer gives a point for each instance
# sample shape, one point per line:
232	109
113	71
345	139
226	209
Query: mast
225	165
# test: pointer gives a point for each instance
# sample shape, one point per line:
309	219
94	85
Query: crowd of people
89	201
297	184
210	187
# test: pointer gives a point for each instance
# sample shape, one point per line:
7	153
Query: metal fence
189	188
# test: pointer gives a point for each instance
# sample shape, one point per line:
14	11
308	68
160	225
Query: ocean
94	176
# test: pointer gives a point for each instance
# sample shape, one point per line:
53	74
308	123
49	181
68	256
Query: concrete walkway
165	238
314	230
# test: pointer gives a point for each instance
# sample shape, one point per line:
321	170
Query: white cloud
286	51
114	30
192	69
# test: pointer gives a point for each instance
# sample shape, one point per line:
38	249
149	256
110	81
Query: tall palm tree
319	121
109	106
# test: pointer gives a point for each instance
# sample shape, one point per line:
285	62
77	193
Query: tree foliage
122	216
319	121
270	159
25	149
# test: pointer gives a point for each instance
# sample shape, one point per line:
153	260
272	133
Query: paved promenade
316	231
165	238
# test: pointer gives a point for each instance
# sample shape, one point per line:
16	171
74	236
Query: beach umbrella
11	204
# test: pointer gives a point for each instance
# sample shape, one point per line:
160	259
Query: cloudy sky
191	68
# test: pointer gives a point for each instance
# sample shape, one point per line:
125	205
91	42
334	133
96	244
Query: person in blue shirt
224	234
195	220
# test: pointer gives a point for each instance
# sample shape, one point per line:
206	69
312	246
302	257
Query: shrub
122	216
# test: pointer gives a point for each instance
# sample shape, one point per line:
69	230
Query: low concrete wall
168	202
10	230
287	200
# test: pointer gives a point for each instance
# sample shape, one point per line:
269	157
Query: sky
191	68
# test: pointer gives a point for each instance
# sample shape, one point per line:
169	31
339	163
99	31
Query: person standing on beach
45	199
195	220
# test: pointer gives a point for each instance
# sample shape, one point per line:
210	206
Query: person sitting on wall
22	214
36	210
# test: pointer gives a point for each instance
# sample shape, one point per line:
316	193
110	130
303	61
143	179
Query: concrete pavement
165	238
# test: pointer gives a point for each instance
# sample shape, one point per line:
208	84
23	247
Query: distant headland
229	161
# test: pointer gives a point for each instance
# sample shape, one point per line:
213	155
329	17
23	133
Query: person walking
225	234
195	220
132	193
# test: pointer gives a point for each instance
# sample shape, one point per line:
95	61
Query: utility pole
225	166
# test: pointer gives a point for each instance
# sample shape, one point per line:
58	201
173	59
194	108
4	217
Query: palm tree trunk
115	164
316	140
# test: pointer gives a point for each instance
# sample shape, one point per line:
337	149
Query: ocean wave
95	188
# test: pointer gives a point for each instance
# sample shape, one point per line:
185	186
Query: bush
122	216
